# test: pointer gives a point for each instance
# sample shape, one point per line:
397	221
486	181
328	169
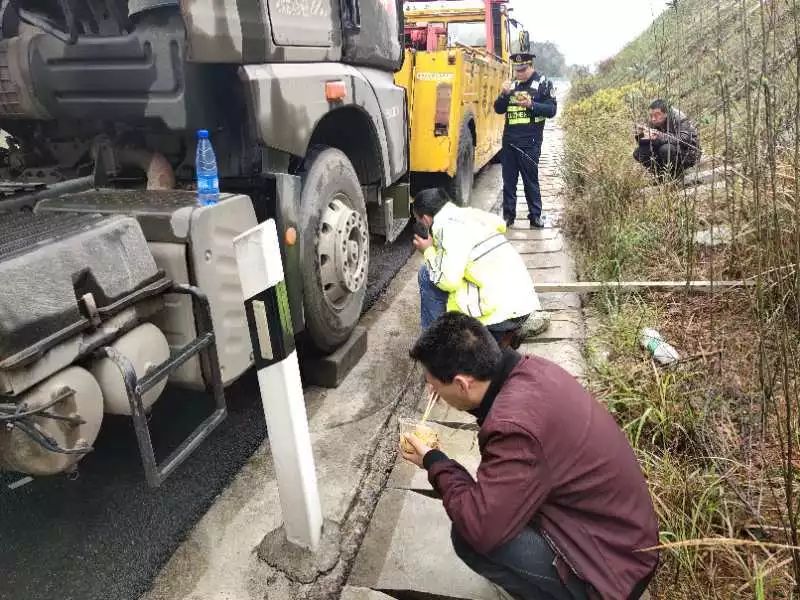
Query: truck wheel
335	253
461	184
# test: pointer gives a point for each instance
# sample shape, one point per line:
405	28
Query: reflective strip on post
267	307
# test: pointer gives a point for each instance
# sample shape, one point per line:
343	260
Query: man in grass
669	143
560	508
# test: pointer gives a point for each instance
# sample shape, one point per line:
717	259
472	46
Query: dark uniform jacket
525	126
552	457
680	132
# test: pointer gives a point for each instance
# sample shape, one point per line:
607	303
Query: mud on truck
113	279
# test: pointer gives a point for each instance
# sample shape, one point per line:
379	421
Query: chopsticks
432	398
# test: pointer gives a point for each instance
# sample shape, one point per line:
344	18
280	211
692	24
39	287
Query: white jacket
472	260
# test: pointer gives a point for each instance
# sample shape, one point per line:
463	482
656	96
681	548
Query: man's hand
525	100
507	85
422	244
420	450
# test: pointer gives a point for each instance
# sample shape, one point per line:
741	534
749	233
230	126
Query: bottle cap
202	134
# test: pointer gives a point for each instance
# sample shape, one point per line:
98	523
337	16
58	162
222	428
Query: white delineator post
258	257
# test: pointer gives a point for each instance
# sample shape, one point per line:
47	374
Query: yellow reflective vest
472	260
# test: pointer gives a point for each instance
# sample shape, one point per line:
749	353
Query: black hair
429	202
457	344
660	104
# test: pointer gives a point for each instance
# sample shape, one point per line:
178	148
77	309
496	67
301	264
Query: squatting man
669	144
560	508
471	267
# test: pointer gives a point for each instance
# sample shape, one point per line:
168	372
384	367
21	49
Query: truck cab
457	57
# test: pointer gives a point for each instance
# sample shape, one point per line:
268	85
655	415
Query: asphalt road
104	535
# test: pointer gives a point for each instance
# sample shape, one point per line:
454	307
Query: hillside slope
718	434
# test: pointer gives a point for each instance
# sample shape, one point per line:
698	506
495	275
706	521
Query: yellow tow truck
456	59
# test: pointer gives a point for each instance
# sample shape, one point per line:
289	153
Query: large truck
113	280
457	58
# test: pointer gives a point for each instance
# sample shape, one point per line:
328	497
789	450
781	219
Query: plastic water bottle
205	164
662	352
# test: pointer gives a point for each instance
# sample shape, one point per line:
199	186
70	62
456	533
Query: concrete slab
551	275
698	177
539	246
566	353
549	260
445	414
571	315
359	593
407	549
520	231
547	211
550	201
558	301
560	330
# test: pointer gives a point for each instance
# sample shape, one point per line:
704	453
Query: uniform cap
522	58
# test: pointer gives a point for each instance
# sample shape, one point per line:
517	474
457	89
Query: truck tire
335	252
461	184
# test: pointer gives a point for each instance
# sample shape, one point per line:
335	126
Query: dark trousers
523	567
433	304
522	160
432	300
665	160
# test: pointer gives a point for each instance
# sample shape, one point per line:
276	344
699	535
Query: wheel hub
343	251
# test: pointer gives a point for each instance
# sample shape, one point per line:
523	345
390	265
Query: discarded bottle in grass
662	352
205	165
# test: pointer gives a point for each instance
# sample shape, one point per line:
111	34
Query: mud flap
288	190
389	216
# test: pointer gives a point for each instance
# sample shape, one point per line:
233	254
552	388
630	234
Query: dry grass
702	439
718	434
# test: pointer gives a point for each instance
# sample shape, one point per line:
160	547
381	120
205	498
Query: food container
427	433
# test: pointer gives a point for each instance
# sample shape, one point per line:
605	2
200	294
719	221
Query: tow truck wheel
461	184
335	248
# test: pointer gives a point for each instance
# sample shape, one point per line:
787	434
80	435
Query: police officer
526	103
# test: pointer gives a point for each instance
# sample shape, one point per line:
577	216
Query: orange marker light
291	236
335	91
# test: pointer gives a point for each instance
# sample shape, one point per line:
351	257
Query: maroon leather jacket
552	457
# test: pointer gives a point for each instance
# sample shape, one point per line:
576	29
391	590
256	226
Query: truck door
303	22
373	32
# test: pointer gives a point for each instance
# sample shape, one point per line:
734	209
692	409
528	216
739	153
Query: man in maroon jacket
560	508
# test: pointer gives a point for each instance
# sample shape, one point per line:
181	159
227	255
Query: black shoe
509	222
537	223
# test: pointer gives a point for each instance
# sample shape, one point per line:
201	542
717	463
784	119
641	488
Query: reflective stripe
473	300
435	268
487	246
